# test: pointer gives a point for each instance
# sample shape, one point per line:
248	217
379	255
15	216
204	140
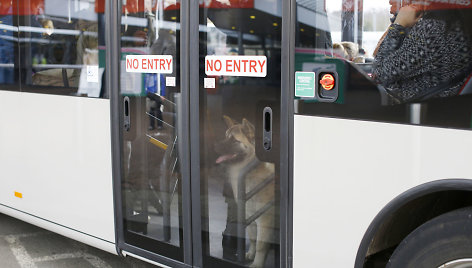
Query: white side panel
87	239
346	171
56	151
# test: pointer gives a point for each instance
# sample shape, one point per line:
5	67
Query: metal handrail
241	201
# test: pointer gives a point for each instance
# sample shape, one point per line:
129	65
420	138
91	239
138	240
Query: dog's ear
248	129
229	122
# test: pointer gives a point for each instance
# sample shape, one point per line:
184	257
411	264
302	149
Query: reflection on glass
152	183
411	58
381	60
63	47
8	46
239	179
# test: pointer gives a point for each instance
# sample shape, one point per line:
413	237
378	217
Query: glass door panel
151	184
239	133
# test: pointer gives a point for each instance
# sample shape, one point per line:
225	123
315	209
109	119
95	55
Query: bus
241	133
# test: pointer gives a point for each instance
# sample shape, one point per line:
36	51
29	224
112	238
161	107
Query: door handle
126	114
267	128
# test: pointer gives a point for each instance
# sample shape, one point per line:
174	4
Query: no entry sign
252	66
149	64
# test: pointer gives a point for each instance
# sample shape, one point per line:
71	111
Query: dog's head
238	143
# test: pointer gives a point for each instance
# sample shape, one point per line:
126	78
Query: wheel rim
461	263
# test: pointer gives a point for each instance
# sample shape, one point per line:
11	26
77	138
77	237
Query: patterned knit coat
412	60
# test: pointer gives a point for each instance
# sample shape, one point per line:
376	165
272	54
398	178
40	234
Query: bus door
201	133
150	94
238	123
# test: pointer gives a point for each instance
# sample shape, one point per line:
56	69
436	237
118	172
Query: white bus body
380	161
184	169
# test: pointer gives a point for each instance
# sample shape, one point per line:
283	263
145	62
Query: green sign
305	84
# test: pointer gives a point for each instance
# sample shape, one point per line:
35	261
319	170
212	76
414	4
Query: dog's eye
233	140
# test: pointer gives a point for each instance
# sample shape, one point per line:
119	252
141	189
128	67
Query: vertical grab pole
241	201
165	195
241	230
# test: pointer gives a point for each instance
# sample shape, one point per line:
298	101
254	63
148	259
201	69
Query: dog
237	152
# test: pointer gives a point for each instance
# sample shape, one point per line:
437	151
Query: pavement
23	245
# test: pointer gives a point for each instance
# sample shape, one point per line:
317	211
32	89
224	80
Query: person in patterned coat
424	50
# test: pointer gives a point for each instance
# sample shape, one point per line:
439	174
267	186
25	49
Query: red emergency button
327	81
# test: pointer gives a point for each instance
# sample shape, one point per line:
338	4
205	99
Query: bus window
392	61
239	175
63	44
8	46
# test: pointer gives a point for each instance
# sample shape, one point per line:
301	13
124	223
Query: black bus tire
441	240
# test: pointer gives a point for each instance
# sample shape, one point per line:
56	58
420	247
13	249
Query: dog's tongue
224	158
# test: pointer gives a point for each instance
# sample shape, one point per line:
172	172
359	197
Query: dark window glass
415	70
62	47
238	162
8	46
151	186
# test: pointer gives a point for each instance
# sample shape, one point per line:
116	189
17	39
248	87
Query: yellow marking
159	144
19	195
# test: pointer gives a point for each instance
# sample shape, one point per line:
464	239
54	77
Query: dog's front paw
256	265
250	255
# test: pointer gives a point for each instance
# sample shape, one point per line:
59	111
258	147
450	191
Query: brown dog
237	152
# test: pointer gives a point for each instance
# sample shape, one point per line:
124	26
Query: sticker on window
149	64
247	66
92	73
305	84
170	81
209	82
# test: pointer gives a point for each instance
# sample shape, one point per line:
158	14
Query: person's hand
408	16
394	6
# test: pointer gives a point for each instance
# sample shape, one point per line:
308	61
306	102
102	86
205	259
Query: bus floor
23	245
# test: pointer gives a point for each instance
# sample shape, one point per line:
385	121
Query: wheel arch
426	201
